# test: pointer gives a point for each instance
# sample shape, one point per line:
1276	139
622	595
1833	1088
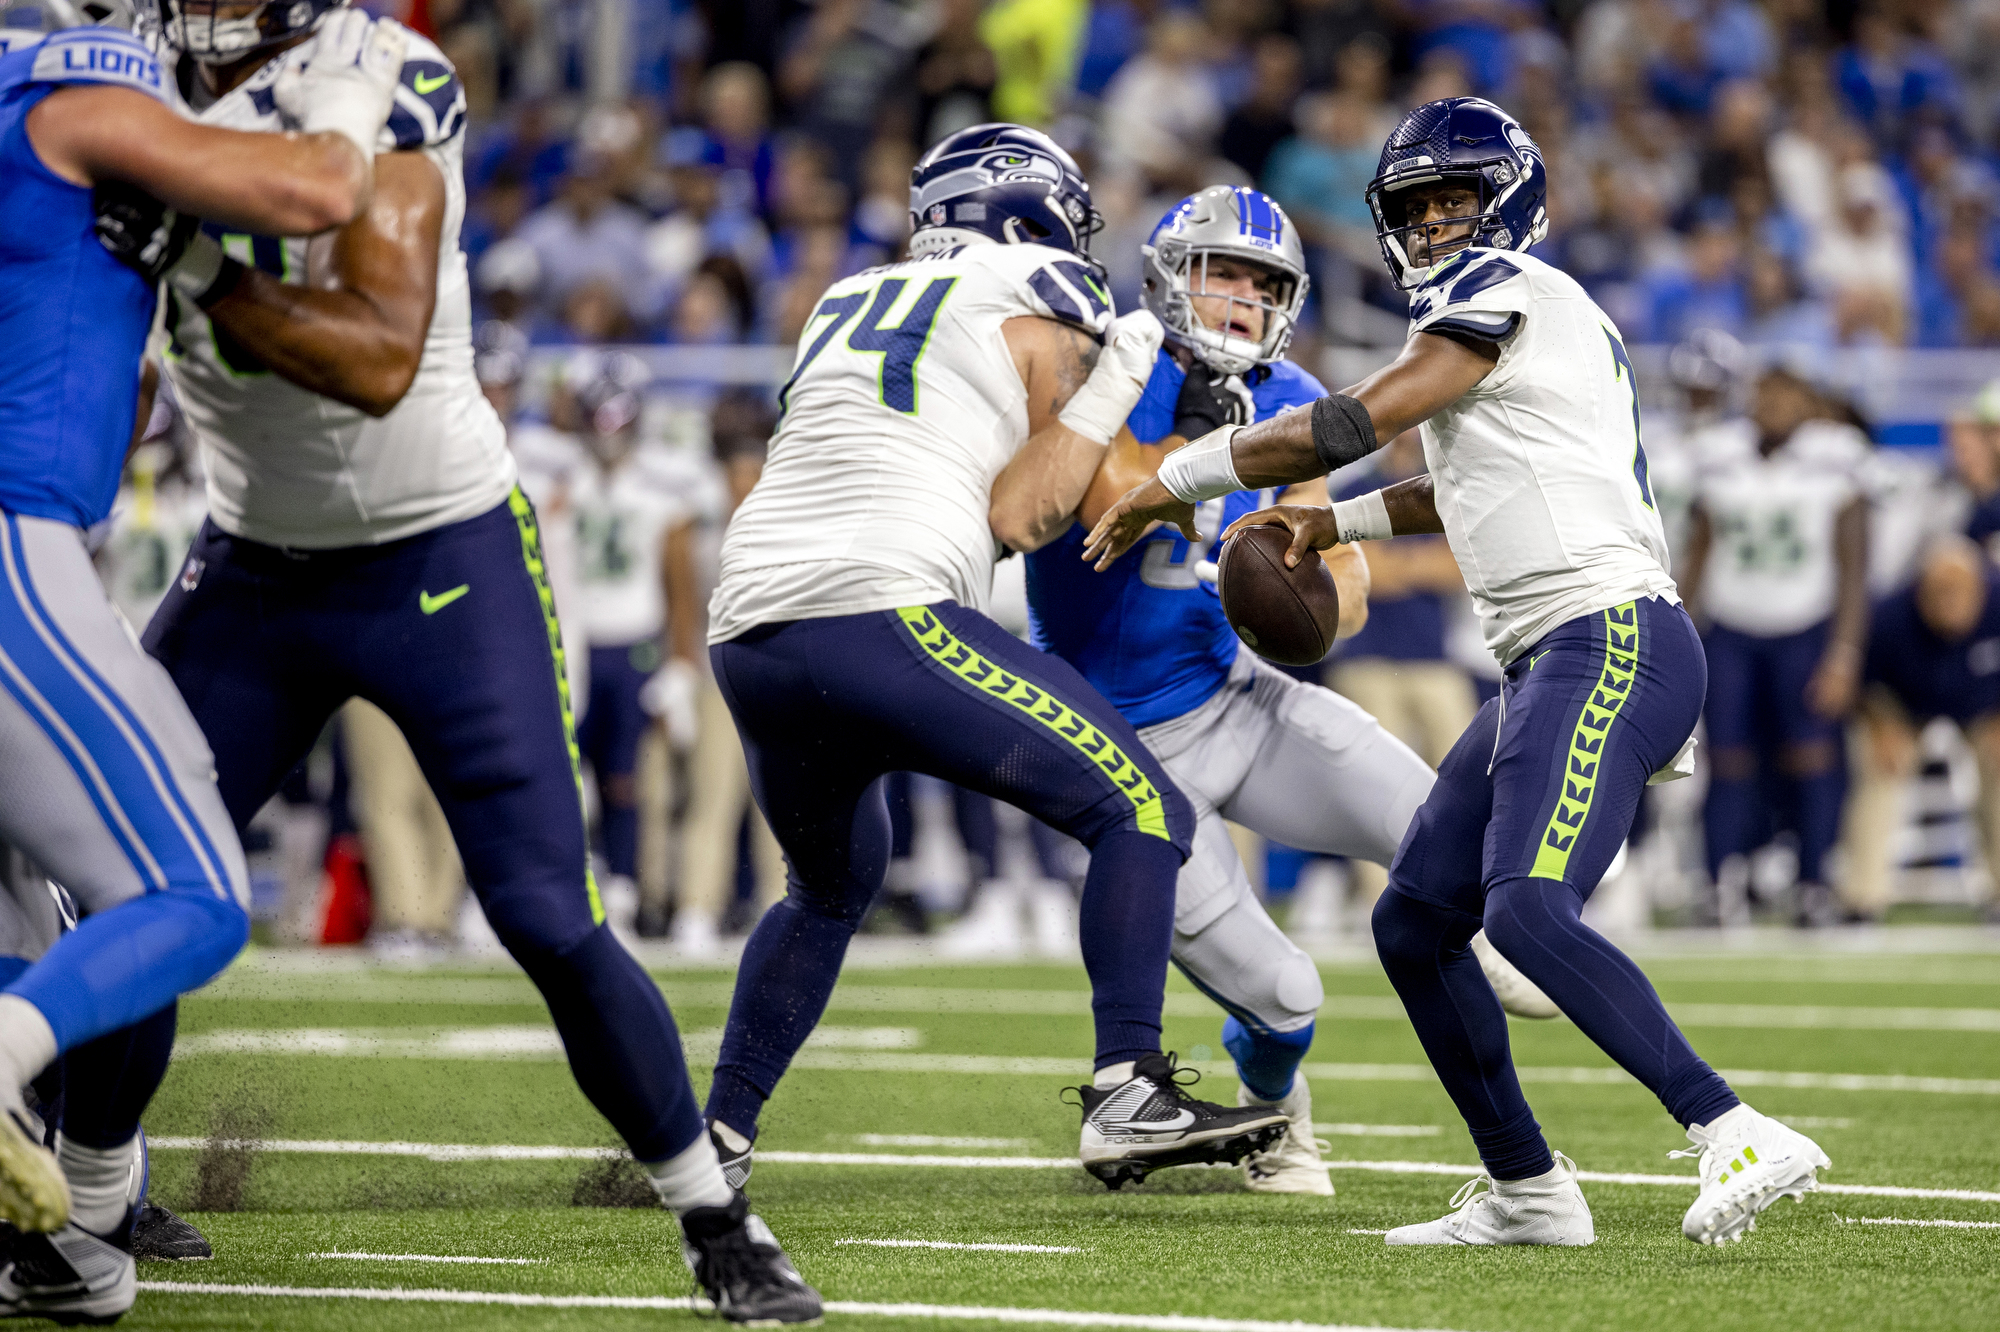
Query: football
1285	615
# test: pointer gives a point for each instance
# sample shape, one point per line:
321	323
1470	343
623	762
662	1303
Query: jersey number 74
899	345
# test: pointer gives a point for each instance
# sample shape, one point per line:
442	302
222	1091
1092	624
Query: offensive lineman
367	538
939	410
1226	276
104	779
1526	399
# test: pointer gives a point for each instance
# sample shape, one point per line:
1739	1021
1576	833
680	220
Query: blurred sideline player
630	504
1249	744
367	538
1536	475
1777	564
1933	651
159	509
1974	441
104	780
942	411
416	879
1708	370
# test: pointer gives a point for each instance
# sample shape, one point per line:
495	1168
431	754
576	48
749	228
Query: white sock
100	1182
1554	1177
1112	1075
731	1139
27	1046
691	1179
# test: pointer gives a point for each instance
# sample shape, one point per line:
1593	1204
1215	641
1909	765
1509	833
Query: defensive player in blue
1536	477
1225	275
105	781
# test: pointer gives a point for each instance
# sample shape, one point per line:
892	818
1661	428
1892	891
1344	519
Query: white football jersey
291	468
622	517
903	406
1539	475
1771	567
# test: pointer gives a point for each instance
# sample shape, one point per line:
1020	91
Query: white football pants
1303	766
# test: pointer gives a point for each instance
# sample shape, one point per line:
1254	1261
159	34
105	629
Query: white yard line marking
1378	1130
965	1312
428	1258
1815	1122
1900	1221
933	1140
947	1244
873	1050
1367	1232
444	1151
366	988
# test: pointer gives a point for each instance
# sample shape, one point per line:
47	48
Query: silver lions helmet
216	32
46	16
1227	223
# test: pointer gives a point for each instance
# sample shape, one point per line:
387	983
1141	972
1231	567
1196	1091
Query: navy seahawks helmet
1004	183
1469	140
32	19
197	27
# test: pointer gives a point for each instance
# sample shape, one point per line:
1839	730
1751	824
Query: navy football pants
1529	808
827	708
453	634
609	737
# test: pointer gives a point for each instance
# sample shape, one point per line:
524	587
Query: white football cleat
1748	1162
34	1196
1549	1209
71	1276
1517	994
1293	1165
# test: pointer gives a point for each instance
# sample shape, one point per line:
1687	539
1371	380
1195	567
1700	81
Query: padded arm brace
1342	431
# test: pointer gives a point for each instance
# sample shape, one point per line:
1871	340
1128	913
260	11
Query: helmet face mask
1004	184
213	35
1240	232
1464	141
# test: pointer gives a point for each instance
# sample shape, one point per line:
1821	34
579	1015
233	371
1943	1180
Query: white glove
669	696
346	84
1107	397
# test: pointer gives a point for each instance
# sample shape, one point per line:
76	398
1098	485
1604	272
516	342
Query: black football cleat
159	1236
1148	1123
737	1263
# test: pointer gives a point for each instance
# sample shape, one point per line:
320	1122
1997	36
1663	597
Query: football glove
346	81
161	244
1210	400
669	697
1096	410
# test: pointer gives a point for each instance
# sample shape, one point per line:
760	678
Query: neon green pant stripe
1586	743
538	574
962	660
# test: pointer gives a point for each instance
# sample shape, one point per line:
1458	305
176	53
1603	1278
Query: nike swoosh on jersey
431	605
426	84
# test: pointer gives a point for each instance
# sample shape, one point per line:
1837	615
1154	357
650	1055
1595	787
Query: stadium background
684	180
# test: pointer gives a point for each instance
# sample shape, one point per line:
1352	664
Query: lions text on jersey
1539	475
288	467
1147	632
1771	568
902	407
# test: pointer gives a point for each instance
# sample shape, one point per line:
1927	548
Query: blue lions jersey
1148	633
73	319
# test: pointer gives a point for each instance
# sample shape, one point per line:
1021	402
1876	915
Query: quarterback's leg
1610	699
105	782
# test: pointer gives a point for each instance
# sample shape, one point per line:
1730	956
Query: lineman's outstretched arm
354	331
1432	373
1078	397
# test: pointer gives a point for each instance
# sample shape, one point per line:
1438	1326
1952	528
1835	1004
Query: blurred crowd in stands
1813	172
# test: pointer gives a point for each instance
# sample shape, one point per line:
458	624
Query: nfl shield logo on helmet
937	215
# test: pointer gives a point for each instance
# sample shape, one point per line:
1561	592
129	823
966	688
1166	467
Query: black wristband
226	278
1343	432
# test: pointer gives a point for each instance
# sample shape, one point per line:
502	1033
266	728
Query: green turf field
342	1076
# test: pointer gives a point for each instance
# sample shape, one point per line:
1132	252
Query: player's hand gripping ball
1284	615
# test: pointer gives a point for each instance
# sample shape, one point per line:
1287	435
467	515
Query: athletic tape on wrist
203	273
1203	469
1343	432
358	124
1097	409
1363	518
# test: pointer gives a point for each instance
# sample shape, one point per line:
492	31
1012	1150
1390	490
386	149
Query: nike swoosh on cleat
426	84
431	605
1182	1119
